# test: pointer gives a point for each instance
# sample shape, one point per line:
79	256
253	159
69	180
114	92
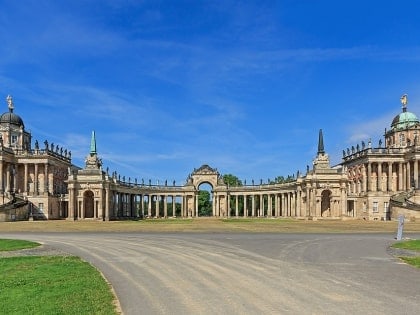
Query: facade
370	183
31	176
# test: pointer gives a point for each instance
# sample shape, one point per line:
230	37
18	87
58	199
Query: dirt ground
211	225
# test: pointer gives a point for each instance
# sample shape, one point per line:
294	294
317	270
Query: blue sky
243	86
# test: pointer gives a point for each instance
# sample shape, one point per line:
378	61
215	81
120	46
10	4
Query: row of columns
158	205
370	176
15	179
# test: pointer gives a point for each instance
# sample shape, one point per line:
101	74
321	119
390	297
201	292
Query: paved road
247	273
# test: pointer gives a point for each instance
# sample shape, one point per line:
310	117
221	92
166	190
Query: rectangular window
41	206
375	206
14	139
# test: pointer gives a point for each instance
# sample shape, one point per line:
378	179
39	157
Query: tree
232	180
204	204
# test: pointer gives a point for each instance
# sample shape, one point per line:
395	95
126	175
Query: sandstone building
373	183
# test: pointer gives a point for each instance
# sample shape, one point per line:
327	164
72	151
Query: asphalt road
189	273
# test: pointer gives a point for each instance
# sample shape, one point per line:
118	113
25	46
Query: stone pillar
165	206
408	175
15	177
369	176
35	179
106	218
253	205
236	206
8	178
379	177
298	202
245	206
416	174
269	206
400	177
157	206
364	178
2	188
149	205
389	188
293	204
25	178
46	178
70	213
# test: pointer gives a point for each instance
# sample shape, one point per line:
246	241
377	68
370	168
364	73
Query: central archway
88	204
325	203
205	200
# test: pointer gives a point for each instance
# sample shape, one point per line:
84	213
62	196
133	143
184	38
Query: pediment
205	170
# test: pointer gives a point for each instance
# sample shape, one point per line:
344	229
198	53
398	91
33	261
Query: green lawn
7	245
411	245
51	285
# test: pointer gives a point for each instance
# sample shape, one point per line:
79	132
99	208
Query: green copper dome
404	120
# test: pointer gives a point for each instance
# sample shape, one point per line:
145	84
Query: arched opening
205	200
326	203
88	202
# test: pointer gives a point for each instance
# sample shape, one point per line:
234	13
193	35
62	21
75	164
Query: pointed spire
93	143
320	143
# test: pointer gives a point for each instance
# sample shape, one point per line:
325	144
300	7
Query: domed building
383	180
32	180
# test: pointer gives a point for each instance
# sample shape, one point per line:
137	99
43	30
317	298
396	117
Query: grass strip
8	244
52	285
411	245
414	261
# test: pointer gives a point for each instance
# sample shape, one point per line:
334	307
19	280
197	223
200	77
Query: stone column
149	205
157	206
269	206
35	179
15	176
389	177
1	178
173	205
416	174
245	206
165	206
408	175
379	178
400	177
8	178
236	206
293	206
253	205
25	178
106	218
369	176
46	178
299	202
364	178
70	213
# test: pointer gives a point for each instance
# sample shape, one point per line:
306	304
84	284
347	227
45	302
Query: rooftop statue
9	100
404	100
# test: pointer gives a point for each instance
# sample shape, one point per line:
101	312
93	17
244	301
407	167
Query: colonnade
185	204
383	176
31	178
